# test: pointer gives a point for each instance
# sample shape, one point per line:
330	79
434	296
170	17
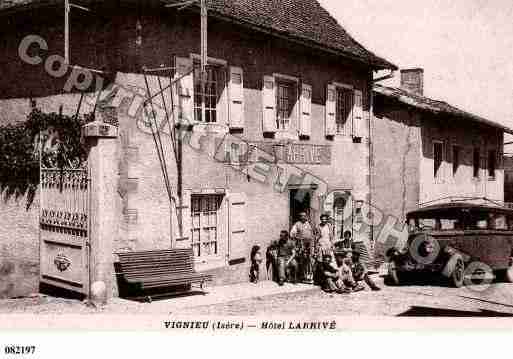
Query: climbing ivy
55	136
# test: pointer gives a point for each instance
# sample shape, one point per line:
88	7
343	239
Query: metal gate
64	228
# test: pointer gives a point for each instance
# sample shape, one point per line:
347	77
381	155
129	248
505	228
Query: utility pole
204	56
66	32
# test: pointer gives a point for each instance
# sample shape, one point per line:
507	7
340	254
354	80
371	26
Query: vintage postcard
261	166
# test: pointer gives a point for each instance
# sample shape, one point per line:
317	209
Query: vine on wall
56	136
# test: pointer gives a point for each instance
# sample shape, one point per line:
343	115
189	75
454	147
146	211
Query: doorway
300	201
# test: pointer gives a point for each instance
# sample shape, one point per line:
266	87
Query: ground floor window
205	219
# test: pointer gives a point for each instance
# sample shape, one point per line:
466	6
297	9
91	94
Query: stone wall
19	246
396	172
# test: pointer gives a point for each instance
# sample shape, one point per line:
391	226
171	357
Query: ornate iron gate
64	228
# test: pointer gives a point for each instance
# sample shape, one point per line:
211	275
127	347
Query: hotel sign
240	152
299	153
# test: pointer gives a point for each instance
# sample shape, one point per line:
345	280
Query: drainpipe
371	155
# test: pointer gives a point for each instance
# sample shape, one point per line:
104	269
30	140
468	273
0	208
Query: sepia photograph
255	165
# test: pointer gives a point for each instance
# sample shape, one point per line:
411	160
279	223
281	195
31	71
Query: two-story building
426	150
284	119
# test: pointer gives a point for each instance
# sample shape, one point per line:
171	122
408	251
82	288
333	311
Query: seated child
360	273
345	273
256	260
331	280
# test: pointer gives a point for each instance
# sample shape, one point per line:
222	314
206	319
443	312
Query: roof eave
435	111
384	65
376	63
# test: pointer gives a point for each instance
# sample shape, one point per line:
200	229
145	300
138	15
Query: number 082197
19	349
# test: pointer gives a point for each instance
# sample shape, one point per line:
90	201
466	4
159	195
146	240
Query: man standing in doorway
287	265
303	233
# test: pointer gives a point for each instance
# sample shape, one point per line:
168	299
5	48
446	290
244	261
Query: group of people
311	255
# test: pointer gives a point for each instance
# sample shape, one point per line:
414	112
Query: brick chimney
413	80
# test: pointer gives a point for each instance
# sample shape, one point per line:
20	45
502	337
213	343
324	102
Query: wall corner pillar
102	143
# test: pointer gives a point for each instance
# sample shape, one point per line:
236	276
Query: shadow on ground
417	311
156	296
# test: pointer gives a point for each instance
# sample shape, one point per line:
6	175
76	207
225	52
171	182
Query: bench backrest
156	262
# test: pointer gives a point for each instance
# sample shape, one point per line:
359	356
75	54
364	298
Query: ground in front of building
417	299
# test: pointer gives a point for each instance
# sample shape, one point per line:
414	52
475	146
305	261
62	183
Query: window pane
286	99
437	158
455	159
476	156
204	211
491	163
213	87
343	110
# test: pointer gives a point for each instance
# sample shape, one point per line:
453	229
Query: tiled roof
303	20
434	106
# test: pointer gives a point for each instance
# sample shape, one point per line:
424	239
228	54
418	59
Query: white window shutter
184	240
269	104
358	125
185	89
305	120
236	82
237	227
330	110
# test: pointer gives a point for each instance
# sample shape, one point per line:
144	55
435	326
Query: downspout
371	155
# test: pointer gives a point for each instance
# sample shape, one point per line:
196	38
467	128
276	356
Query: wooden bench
160	269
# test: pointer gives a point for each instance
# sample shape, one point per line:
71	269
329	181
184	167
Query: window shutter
269	104
358	125
184	240
237	229
331	107
185	89
236	98
306	110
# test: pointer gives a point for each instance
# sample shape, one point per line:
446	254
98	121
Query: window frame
222	66
201	225
488	162
456	166
476	167
293	121
339	87
438	174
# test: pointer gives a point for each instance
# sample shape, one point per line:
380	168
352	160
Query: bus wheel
508	276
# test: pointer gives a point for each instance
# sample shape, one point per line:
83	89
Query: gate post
101	141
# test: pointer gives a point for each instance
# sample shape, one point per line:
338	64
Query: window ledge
285	135
209	127
342	137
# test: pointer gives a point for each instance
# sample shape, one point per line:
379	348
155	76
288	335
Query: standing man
287	263
326	234
303	233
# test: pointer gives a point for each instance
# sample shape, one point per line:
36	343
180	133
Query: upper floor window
206	107
475	161
344	106
456	150
438	153
492	163
286	97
